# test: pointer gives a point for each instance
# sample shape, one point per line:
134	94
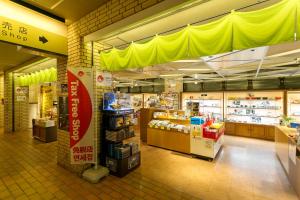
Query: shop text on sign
80	91
75	101
9	30
31	36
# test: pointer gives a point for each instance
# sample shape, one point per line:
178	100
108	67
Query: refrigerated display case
203	104
293	105
254	107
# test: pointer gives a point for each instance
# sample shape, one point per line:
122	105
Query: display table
43	132
169	139
288	154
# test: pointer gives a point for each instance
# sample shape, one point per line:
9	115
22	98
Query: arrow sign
43	39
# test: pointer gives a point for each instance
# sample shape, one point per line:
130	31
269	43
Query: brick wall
1	97
80	54
8	89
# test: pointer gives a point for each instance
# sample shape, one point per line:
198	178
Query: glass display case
136	101
293	107
203	104
116	101
254	107
150	100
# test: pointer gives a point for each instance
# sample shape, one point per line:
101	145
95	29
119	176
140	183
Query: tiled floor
246	169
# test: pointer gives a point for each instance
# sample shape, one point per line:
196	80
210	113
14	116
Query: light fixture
167	75
192	69
187	61
196	82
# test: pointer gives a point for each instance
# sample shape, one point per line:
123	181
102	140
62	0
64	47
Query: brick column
80	55
8	101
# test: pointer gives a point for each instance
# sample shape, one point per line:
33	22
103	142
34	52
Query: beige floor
245	169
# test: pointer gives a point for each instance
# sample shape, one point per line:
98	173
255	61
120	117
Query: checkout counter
289	154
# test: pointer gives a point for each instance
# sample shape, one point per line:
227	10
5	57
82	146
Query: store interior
212	113
35	101
201	125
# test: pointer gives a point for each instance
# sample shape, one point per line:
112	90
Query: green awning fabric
40	77
236	31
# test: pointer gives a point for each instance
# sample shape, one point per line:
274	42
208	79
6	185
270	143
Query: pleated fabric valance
236	31
40	77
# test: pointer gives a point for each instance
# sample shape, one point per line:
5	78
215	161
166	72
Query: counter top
290	133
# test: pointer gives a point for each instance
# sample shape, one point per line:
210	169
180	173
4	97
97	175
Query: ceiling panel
11	57
71	10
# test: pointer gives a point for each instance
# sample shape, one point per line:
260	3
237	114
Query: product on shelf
294	105
258	108
118	119
199	104
169	115
151	101
119	135
165	124
116	101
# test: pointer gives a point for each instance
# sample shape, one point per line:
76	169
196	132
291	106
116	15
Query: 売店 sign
22	34
80	104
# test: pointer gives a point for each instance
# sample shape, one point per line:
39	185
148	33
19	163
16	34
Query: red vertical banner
80	104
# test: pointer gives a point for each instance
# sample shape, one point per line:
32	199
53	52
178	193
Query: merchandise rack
117	166
254	107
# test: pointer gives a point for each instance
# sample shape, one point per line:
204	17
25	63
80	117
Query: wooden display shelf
169	139
259	131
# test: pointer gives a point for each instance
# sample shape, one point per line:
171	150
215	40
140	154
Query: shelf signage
21	93
80	105
23	34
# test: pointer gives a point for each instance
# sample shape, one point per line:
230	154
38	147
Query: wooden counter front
172	140
259	131
284	142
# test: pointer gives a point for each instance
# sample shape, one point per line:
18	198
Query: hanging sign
22	34
103	79
80	104
21	93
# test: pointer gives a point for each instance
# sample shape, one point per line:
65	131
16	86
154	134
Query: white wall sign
103	78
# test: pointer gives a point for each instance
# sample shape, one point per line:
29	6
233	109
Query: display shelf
255	108
253	115
199	103
204	106
122	167
276	100
293	105
119	157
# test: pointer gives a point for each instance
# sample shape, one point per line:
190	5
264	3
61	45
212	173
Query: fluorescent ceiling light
192	69
166	75
285	53
187	61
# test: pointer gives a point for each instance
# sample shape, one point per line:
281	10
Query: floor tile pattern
245	169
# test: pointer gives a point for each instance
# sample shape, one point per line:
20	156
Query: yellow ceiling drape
236	31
